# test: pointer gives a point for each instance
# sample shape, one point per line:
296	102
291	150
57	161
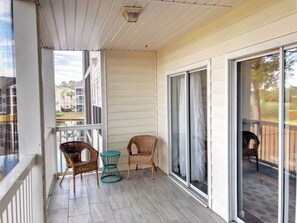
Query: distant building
65	99
8	116
80	97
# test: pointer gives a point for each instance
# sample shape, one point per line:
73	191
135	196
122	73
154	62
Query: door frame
185	70
231	59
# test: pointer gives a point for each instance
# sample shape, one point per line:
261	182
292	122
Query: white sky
68	66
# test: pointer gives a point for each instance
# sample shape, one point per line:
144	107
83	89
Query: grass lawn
269	112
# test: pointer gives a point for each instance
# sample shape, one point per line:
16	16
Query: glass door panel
178	126
257	139
290	134
198	129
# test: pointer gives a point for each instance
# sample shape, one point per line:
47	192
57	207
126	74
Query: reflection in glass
178	135
257	138
8	98
290	134
198	130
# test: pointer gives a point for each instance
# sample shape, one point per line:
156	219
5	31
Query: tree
62	94
72	84
70	93
264	75
63	84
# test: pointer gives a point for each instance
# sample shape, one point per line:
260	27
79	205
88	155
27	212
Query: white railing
16	193
88	133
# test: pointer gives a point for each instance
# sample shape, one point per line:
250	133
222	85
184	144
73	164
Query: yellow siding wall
131	98
254	22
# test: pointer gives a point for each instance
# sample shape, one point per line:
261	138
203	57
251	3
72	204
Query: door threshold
190	191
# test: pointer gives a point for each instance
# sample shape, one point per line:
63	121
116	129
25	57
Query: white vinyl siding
131	98
247	25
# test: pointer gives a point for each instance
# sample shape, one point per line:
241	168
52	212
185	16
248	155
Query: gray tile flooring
136	200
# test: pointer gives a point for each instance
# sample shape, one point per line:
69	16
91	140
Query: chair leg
155	167
257	160
128	170
73	182
64	175
97	175
152	172
136	166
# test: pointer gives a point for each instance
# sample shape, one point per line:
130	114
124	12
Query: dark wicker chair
246	149
146	146
72	153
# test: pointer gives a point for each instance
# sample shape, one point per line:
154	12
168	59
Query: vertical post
30	102
48	84
281	138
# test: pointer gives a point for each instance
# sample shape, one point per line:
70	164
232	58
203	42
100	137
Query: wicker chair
72	153
146	146
246	150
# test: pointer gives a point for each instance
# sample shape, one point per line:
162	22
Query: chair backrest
144	143
247	136
76	147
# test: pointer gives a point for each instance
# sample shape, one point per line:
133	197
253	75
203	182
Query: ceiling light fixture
132	14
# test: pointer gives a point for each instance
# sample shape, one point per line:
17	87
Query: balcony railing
91	134
16	192
267	133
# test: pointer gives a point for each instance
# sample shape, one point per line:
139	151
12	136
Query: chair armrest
94	154
129	148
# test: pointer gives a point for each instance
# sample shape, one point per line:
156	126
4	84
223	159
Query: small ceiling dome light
131	14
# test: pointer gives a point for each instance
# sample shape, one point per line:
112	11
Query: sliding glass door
198	129
178	126
188	129
290	135
267	137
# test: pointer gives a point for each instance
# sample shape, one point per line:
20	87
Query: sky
68	66
7	64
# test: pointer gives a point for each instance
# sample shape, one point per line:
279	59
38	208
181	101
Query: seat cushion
140	158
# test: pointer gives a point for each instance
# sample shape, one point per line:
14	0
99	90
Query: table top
110	153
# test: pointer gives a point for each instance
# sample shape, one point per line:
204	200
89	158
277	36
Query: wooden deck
136	200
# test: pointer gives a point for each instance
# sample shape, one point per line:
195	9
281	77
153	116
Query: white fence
16	193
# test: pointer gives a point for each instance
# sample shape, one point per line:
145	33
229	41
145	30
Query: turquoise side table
110	161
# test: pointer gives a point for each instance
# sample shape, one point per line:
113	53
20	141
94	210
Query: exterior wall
247	25
130	99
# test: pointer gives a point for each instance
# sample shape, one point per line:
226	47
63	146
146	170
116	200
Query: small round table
110	161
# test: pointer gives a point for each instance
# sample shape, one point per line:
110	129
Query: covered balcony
179	70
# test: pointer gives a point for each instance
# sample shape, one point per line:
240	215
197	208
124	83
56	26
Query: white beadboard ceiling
99	24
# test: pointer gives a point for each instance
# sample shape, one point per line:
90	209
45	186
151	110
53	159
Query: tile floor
136	200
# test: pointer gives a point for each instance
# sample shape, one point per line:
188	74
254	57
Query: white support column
48	85
29	96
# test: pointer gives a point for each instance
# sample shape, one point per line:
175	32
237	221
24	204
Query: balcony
136	200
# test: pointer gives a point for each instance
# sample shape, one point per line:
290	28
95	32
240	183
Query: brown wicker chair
72	153
146	146
247	136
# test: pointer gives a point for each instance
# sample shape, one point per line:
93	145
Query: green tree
70	93
264	75
62	94
72	84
